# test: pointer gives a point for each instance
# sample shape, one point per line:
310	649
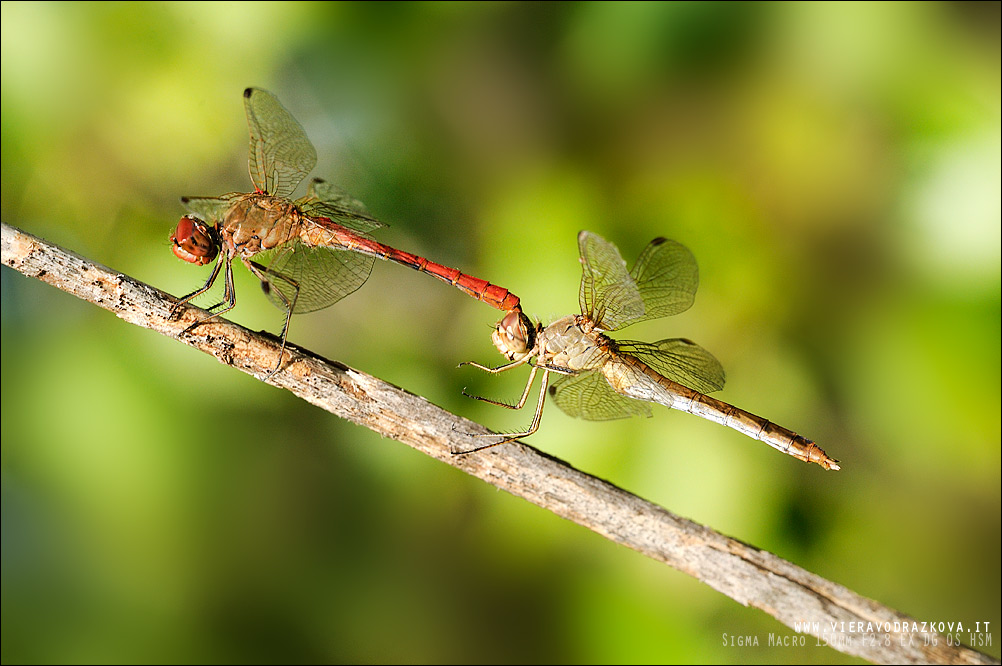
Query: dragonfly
308	253
599	378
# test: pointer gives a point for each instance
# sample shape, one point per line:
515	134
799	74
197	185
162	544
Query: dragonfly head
514	336
194	241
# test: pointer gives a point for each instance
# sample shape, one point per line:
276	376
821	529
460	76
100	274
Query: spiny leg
500	368
497	370
229	296
533	427
198	292
499	403
229	292
261	273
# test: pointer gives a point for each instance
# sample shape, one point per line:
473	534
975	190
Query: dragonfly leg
499	403
198	292
261	273
500	368
533	427
229	296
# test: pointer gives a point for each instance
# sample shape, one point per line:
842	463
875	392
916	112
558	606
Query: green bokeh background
834	168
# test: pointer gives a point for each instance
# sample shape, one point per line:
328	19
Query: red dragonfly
308	253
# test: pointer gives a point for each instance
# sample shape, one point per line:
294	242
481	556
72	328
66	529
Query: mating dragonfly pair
311	252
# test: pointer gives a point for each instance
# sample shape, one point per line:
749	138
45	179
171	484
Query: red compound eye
194	241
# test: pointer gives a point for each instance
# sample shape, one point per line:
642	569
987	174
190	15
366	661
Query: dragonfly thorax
258	222
572	344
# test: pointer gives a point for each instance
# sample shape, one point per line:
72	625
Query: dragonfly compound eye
193	241
514	335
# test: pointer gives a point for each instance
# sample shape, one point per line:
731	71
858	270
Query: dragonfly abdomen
339	237
659	389
493	295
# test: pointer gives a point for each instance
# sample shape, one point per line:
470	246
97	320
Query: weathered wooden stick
799	599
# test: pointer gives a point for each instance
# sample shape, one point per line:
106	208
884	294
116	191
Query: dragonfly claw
175	312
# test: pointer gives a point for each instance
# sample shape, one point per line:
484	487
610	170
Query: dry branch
799	599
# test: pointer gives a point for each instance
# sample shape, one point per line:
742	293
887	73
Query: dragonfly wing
321	275
322	190
679	360
326	200
280	153
210	209
666	277
589	396
608	294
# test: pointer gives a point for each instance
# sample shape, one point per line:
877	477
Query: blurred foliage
835	169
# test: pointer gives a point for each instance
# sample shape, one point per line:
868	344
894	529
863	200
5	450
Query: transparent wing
663	282
608	294
326	200
589	396
679	360
210	209
280	153
666	277
322	275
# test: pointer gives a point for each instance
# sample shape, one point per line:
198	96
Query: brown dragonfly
601	378
308	253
